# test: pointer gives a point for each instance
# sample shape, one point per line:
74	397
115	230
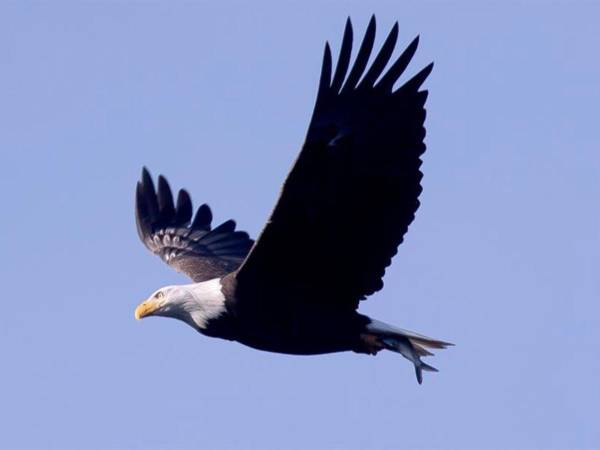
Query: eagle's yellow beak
145	309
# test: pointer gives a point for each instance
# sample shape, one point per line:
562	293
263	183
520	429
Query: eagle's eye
159	295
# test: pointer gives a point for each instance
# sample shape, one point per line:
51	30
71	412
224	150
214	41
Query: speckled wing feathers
189	246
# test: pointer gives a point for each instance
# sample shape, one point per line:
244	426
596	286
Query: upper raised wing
354	188
191	247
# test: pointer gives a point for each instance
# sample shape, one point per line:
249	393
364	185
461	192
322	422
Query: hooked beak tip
145	309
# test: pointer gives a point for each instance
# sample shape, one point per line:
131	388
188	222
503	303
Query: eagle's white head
196	304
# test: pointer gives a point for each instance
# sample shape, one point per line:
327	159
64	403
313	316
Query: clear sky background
502	258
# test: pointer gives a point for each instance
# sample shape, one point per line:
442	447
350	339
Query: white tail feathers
409	344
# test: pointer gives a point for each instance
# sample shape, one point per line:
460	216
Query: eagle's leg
371	343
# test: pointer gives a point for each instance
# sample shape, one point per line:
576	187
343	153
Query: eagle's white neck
205	302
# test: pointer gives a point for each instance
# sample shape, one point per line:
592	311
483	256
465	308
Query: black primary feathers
354	188
191	247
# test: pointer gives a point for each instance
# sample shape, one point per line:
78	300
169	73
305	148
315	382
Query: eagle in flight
343	210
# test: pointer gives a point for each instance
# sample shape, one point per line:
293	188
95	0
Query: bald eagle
343	211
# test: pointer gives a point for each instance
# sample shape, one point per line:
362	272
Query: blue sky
502	258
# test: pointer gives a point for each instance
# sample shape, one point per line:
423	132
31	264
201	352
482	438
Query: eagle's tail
409	344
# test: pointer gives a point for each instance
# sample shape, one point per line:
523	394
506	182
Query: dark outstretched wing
191	247
354	189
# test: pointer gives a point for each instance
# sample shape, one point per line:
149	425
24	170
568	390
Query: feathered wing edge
360	80
373	78
190	246
336	85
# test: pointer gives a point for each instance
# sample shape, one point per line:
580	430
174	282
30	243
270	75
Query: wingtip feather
184	208
147	182
399	66
145	172
381	60
325	80
372	22
165	199
203	218
343	58
362	58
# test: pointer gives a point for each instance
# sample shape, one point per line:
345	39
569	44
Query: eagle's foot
371	343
